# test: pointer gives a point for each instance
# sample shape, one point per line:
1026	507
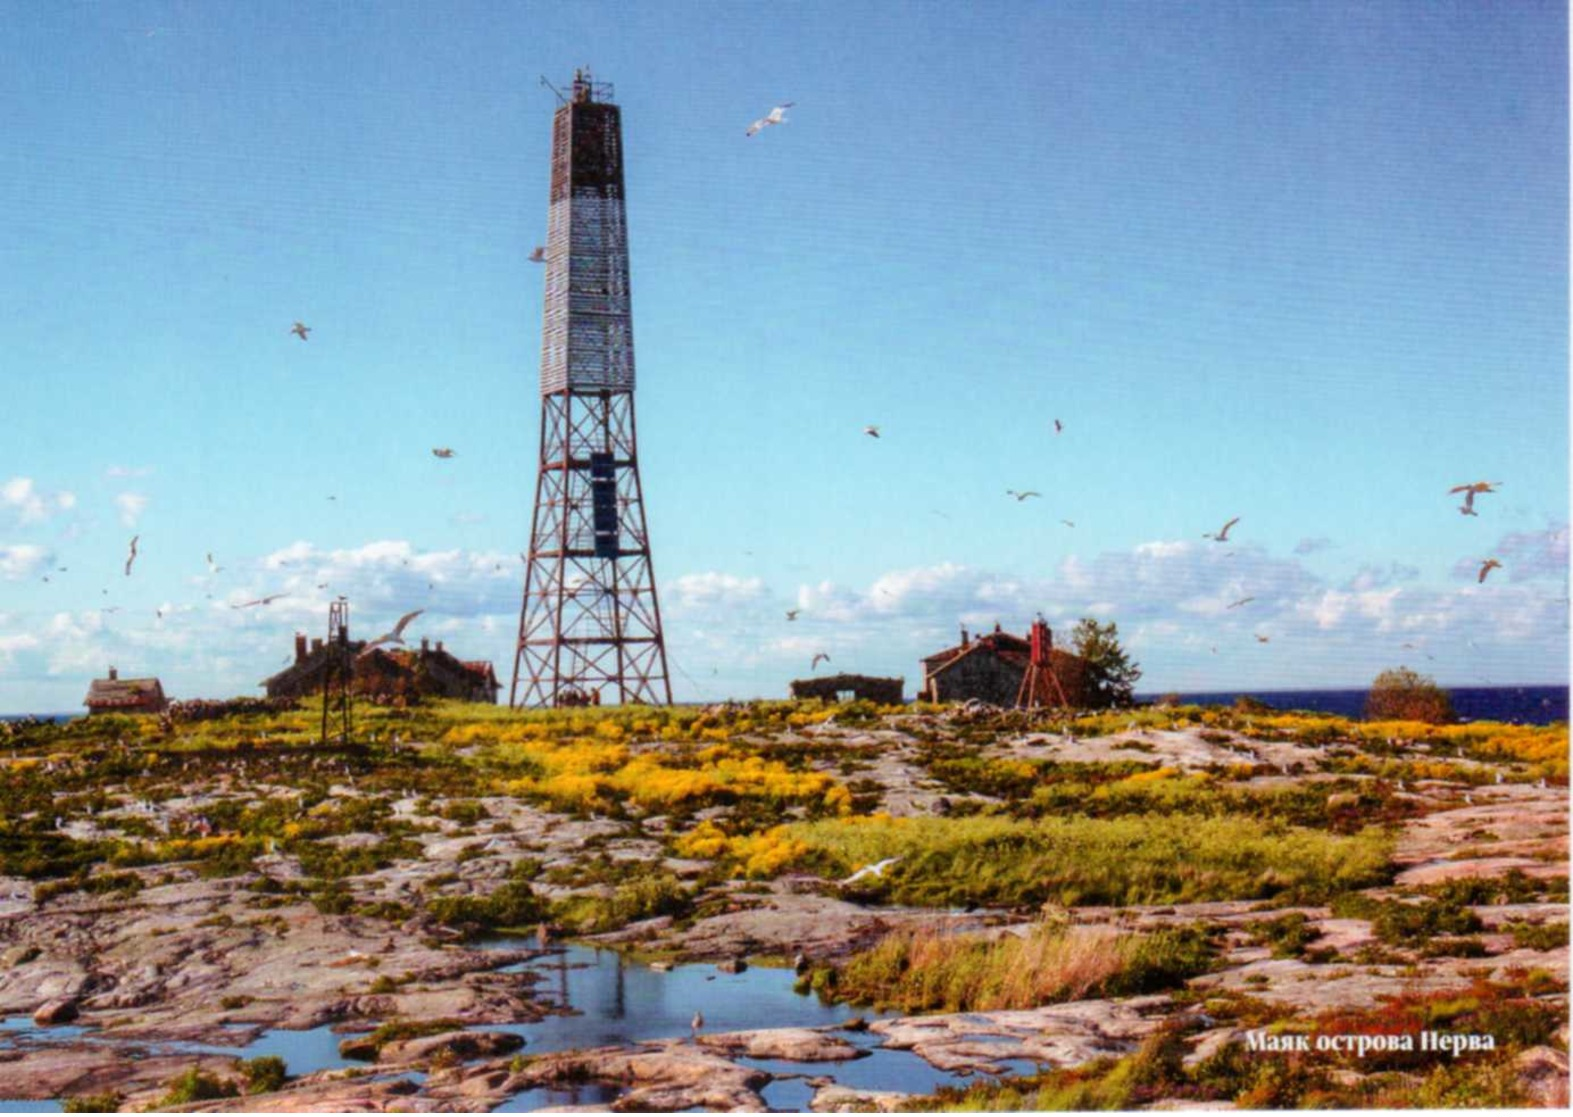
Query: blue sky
1304	264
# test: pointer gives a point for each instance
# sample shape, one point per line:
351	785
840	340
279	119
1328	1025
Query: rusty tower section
590	625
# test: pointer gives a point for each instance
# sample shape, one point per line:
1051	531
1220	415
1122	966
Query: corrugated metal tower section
590	625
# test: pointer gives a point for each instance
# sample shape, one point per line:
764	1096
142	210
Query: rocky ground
113	979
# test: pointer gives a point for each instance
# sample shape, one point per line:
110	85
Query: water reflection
616	1001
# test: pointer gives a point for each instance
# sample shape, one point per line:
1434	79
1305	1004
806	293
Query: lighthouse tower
590	625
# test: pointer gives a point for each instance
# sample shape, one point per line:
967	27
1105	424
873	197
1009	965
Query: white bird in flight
213	567
1022	496
776	115
1223	534
1468	507
396	636
871	431
817	657
877	869
1487	567
442	452
268	600
300	330
132	557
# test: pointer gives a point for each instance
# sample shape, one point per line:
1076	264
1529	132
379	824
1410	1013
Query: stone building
115	695
388	674
991	667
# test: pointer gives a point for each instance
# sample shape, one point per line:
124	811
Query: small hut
115	695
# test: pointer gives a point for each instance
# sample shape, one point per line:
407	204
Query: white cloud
11	644
119	471
22	497
22	560
714	588
131	506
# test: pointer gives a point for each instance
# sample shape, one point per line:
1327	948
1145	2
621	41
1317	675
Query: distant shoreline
1536	704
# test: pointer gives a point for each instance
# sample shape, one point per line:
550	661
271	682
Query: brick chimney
965	639
439	645
316	644
113	674
300	646
425	647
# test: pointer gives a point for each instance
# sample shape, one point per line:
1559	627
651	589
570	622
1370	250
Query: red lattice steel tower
590	626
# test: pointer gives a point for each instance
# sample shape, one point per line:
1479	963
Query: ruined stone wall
886	692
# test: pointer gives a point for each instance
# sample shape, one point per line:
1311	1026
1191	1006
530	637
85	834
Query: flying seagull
268	600
1262	639
817	657
442	452
397	635
1058	426
791	614
538	256
776	115
1068	523
213	567
1241	602
1468	507
1487	567
300	330
871	431
132	557
1022	496
1222	535
877	869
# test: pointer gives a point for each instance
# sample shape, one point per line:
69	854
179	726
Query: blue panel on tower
603	505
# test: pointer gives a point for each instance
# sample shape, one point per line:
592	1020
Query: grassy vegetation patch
924	970
1122	861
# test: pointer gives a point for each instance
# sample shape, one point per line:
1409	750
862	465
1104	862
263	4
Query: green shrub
1404	695
1540	936
263	1074
195	1085
107	1102
1287	935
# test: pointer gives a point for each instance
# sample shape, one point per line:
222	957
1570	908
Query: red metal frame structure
590	624
1040	686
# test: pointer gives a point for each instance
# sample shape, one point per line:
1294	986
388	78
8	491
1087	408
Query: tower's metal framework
339	671
590	624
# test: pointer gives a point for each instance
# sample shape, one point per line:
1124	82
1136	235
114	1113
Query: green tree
1404	695
1108	675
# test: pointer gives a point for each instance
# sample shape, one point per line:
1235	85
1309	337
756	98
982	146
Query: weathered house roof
114	694
1011	649
310	668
